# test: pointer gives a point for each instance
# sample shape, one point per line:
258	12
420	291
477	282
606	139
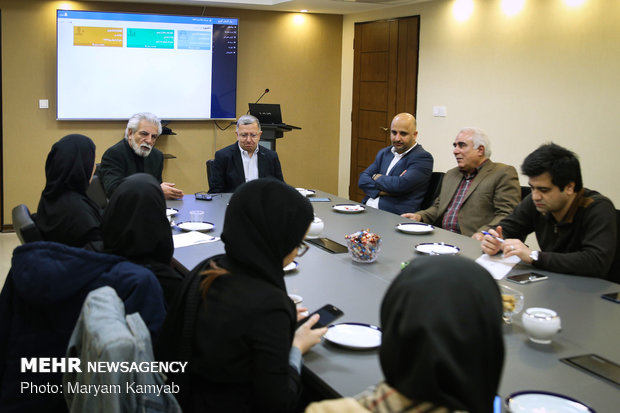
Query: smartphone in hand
328	313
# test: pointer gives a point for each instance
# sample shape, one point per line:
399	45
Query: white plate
539	401
291	266
306	192
195	226
436	248
415	228
355	336
171	211
348	208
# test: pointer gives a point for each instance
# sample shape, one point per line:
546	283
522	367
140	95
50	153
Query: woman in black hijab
65	213
243	324
442	343
135	226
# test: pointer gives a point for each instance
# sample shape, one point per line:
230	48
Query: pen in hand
488	233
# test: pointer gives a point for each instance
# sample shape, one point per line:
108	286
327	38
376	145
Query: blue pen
497	238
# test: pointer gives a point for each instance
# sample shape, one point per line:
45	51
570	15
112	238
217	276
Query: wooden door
385	75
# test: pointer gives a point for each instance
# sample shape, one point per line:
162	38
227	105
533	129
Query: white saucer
541	401
291	266
306	192
171	211
354	336
415	228
195	226
436	248
348	208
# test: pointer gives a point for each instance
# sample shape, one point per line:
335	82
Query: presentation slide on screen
112	65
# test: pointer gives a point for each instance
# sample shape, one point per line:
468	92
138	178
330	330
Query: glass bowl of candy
512	301
363	246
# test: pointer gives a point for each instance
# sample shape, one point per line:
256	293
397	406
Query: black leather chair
209	166
434	186
96	192
525	191
614	272
24	225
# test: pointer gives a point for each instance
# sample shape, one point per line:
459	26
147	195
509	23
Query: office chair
24	225
434	186
96	192
209	166
525	191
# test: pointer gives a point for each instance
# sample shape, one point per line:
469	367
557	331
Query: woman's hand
305	337
301	313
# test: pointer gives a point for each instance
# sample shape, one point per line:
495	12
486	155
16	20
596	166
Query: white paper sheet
192	238
497	265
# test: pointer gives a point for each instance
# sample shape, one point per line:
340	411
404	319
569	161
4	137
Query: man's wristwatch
534	255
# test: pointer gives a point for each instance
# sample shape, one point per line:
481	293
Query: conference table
590	324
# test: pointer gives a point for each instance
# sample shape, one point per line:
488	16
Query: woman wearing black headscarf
442	344
243	327
135	226
65	213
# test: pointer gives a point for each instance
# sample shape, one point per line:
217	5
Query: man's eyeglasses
302	249
248	135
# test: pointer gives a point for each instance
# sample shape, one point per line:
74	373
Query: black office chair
434	186
525	191
96	192
24	225
209	166
614	272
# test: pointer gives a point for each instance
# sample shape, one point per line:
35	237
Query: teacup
541	324
316	227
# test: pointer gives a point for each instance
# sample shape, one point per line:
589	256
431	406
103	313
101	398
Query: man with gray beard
136	153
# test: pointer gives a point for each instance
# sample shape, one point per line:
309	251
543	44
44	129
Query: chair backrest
209	166
614	272
96	192
25	227
525	191
432	192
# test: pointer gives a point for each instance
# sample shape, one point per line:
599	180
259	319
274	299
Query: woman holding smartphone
244	352
442	348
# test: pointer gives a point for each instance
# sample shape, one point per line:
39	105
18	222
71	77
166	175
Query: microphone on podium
257	100
261	96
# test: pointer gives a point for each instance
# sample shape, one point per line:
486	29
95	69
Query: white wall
549	73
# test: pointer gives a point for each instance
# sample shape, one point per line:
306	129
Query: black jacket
227	170
120	161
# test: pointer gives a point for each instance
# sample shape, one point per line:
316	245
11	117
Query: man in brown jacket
476	194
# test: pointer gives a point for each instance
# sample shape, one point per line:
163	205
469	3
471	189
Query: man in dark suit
398	178
244	160
475	195
136	153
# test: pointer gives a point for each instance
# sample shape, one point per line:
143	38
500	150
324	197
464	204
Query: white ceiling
313	6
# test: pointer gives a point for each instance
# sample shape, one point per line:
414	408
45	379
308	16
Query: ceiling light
463	9
512	7
574	3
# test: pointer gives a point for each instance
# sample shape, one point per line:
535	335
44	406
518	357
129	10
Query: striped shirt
450	219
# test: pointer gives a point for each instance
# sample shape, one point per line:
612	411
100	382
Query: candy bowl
363	246
512	301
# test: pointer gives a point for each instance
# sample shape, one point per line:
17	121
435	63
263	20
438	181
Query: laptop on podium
269	114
